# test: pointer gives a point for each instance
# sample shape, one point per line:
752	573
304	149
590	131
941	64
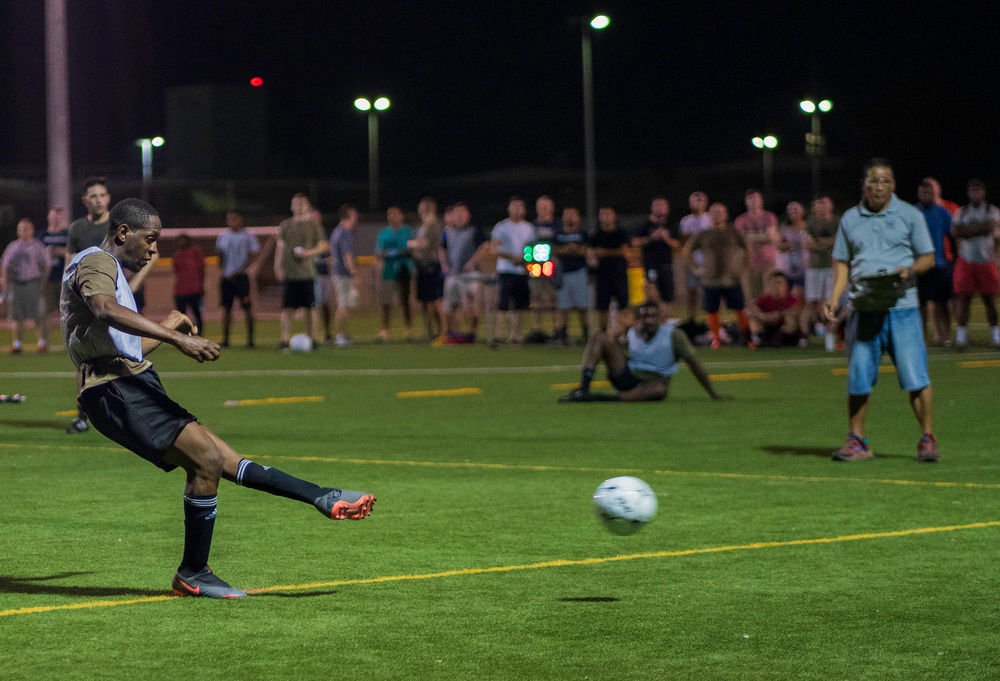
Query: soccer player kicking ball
121	393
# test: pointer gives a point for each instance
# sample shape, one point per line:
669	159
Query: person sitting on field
643	375
774	316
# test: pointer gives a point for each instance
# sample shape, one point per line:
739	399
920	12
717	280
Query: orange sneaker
344	504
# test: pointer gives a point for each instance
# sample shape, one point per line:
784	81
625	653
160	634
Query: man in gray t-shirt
462	244
977	228
236	248
343	271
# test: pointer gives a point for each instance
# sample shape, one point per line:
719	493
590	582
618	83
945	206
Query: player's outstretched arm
117	316
698	369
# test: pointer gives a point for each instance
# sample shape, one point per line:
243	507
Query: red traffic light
256	81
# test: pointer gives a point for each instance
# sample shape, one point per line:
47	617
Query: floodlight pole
373	160
57	105
589	161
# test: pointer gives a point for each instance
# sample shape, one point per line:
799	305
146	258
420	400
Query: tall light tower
767	145
815	143
146	144
372	109
596	23
57	105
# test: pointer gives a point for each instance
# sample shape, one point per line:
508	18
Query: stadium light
767	144
815	143
146	144
599	22
372	109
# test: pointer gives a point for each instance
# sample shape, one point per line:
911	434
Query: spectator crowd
553	279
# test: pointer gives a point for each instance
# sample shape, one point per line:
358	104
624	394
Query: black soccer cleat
345	504
204	584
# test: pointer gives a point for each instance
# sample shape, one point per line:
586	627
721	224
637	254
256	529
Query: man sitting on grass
774	316
121	394
644	374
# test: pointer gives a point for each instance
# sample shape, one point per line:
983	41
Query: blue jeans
898	332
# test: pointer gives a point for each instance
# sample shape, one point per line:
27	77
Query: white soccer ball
625	504
300	342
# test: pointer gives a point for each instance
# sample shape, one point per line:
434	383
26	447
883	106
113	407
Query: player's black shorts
935	285
430	284
512	291
135	412
611	285
624	381
663	277
298	293
236	286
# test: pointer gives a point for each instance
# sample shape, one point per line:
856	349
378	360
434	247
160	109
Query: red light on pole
256	81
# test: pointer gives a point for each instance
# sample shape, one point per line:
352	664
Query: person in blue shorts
122	395
882	245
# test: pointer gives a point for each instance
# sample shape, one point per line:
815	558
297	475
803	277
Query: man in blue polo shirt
881	245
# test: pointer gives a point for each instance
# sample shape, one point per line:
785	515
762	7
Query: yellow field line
440	393
549	469
385	579
883	369
273	400
572	386
622	471
982	364
749	376
67	412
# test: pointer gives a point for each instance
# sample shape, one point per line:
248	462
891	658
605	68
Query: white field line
462	371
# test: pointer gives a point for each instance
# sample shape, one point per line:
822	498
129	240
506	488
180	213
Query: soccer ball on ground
300	343
625	504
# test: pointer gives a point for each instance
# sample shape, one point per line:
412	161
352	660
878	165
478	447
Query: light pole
597	23
815	144
147	144
767	144
372	109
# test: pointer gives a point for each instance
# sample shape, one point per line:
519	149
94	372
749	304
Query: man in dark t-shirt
607	255
657	237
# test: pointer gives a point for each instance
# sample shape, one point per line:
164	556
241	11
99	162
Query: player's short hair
132	212
645	305
94	179
345	211
751	192
877	162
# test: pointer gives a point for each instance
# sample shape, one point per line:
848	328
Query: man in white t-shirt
509	237
697	221
977	227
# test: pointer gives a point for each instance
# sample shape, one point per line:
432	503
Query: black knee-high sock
586	376
199	521
279	483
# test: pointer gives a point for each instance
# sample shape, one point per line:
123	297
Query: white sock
830	342
996	335
962	335
16	345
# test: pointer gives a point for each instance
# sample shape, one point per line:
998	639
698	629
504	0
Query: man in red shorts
976	226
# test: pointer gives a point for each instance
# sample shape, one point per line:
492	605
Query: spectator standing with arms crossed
392	252
300	240
237	251
882	244
54	239
977	227
344	271
23	267
658	239
509	237
189	279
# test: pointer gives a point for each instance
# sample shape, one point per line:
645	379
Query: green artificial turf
503	479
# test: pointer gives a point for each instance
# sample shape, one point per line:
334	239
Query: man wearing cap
977	228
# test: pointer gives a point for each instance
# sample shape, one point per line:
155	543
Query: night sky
479	86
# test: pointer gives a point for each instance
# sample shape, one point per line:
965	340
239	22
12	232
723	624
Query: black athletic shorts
236	286
624	381
935	285
135	412
663	277
513	292
298	293
611	285
430	284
